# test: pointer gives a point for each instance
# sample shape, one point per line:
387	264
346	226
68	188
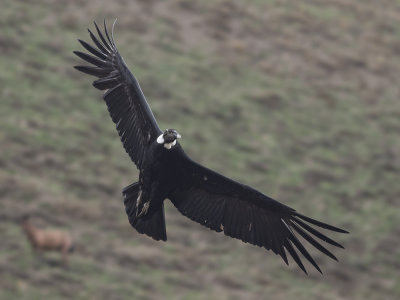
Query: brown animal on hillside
48	240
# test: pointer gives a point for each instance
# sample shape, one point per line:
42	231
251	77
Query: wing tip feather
320	224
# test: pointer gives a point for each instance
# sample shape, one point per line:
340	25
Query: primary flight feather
166	172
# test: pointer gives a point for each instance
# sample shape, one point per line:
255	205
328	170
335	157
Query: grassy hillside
299	99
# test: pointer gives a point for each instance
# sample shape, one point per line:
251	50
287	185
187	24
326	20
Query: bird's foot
144	209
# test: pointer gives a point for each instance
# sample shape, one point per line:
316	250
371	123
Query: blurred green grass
299	100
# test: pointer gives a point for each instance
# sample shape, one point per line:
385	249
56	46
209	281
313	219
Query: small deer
48	240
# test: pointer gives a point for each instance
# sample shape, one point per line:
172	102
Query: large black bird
201	194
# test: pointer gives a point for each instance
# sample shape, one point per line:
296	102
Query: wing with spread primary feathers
241	212
126	103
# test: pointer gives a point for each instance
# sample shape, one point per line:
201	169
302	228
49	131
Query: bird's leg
146	199
144	209
138	202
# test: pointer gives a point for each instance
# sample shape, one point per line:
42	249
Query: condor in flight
199	193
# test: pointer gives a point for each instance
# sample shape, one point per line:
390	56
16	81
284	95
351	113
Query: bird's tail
152	225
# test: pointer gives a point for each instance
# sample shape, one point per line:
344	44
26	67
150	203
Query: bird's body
166	172
159	175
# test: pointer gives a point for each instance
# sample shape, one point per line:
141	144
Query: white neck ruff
160	140
170	145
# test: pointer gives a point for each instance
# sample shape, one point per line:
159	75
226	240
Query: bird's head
168	138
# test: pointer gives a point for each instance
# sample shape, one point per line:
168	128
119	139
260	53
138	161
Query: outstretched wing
241	212
126	103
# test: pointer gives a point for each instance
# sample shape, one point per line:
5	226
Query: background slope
299	99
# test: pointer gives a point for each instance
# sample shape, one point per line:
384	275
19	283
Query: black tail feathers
153	225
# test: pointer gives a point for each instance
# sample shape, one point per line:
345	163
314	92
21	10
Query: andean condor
166	172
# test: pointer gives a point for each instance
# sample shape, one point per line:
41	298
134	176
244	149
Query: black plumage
166	172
